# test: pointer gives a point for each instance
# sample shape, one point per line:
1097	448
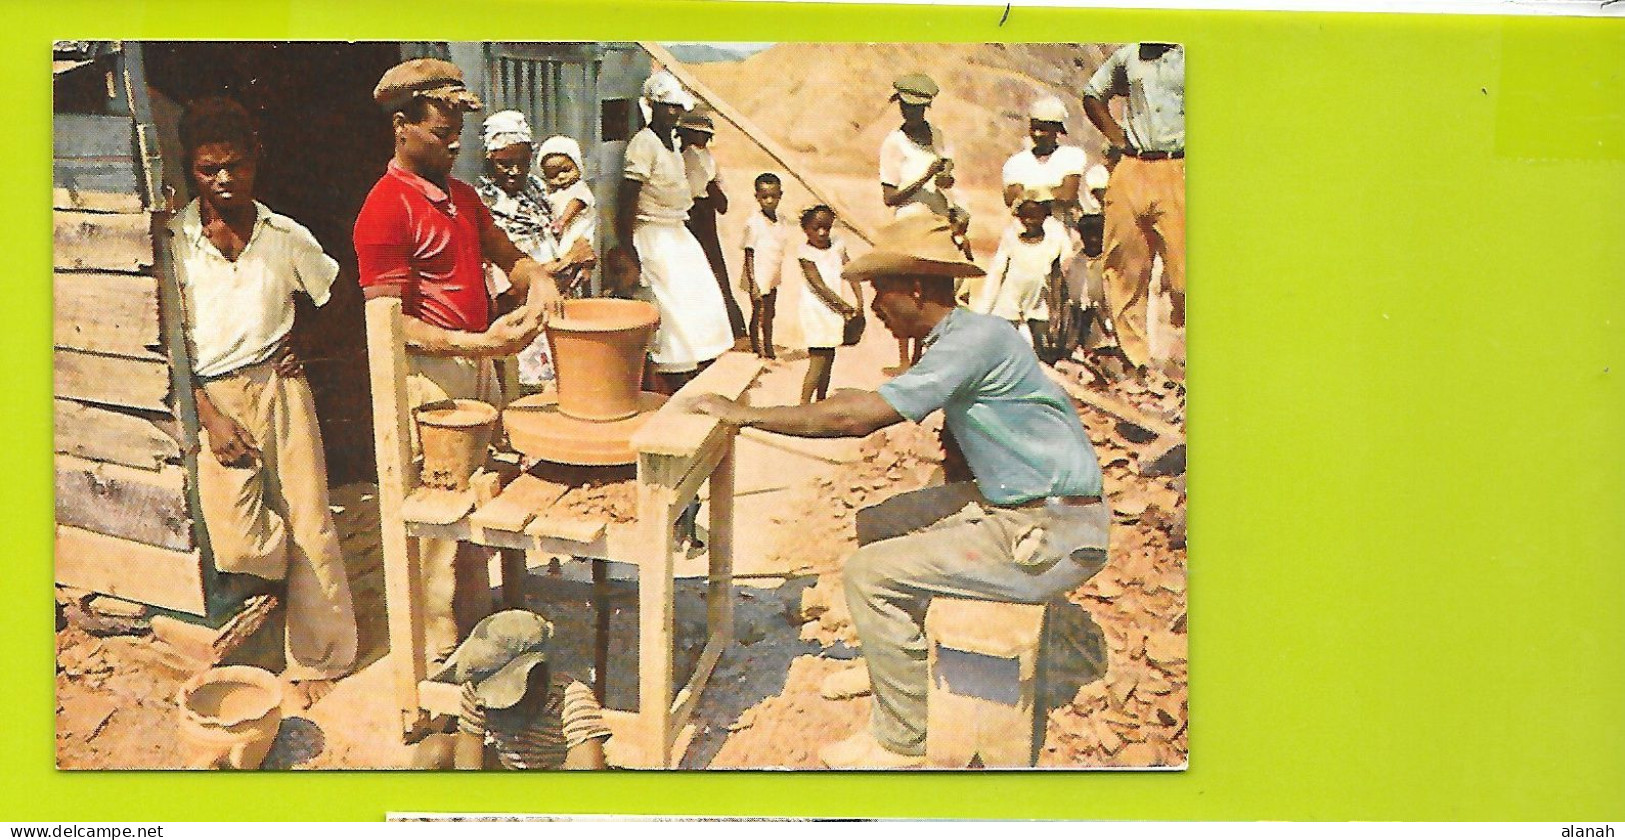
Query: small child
824	311
514	712
1026	271
568	196
1086	279
765	237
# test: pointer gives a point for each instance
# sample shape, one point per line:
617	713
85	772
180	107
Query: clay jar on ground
598	348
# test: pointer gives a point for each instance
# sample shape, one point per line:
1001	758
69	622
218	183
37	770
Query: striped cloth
570	717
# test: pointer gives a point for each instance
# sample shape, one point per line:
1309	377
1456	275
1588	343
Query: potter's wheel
538	429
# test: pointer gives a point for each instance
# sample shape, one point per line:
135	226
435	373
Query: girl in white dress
829	301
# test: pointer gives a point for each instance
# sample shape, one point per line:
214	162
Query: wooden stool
985	678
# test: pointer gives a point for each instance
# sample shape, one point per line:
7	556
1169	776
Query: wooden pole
761	138
403	585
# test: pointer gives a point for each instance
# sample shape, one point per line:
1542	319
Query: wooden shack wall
124	519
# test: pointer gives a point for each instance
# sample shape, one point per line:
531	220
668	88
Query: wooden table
678	452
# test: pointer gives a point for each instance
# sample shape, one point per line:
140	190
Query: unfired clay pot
455	436
229	717
598	348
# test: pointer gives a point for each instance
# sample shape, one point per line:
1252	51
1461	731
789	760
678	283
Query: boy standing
262	484
765	238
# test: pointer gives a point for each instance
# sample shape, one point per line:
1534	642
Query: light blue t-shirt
1017	429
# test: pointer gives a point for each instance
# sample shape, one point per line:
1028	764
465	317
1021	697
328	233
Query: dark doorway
326	143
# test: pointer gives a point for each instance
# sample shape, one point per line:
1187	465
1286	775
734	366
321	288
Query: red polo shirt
416	242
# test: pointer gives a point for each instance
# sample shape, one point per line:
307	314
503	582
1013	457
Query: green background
1407	250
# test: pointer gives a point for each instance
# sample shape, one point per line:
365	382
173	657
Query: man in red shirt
425	237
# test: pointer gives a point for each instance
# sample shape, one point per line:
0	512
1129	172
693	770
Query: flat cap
915	88
428	77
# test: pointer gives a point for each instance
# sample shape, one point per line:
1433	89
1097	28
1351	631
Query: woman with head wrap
658	257
518	202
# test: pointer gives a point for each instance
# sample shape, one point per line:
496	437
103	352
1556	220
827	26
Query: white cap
1048	109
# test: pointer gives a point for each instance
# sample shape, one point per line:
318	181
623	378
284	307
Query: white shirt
238	311
766	239
665	196
902	162
701	168
1156	96
1044	176
585	224
1019	277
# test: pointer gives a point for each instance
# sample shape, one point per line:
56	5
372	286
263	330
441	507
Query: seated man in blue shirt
1035	528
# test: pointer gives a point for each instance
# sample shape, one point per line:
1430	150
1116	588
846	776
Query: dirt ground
762	707
1126	704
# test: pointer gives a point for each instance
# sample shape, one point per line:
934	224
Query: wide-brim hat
697	121
913	247
499	655
427	77
915	88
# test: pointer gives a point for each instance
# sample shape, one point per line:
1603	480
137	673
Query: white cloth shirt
1044	176
701	167
766	239
822	326
1019	277
665	196
1156	96
585	224
902	162
238	311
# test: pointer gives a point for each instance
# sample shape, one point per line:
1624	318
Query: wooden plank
437	505
656	622
93	201
519	502
130	570
112	380
106	313
719	605
574	530
689	697
403	585
99	434
72	177
792	163
92	136
673	430
106	241
1113	406
148	506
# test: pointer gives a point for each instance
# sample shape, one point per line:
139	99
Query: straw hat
913	247
1048	109
697	121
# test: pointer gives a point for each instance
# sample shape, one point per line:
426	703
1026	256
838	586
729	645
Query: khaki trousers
272	520
1023	555
1145	218
453	573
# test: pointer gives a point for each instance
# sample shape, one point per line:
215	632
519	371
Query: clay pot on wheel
598	348
456	435
229	717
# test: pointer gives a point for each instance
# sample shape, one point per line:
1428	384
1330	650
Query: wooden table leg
719	615
601	614
656	622
514	573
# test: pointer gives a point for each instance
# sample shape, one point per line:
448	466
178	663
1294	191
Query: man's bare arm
506	336
848	413
1100	114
